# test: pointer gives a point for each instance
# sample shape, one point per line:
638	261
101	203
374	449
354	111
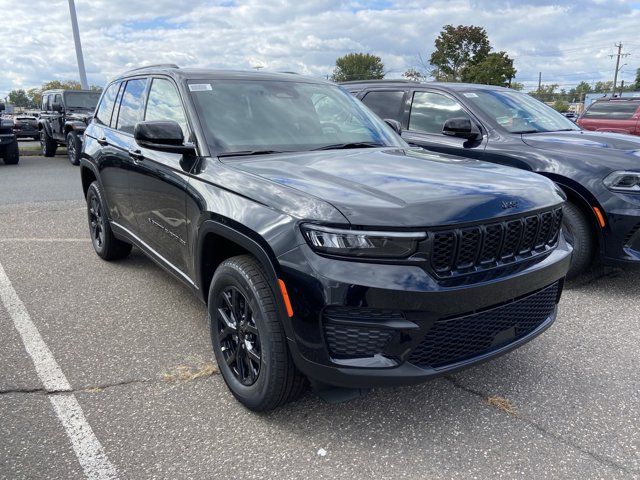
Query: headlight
623	181
360	243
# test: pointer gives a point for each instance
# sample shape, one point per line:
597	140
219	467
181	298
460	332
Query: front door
158	182
427	116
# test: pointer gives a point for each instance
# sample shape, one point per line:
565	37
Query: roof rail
157	65
381	80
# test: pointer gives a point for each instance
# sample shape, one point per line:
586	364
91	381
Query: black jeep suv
323	245
9	151
598	171
65	115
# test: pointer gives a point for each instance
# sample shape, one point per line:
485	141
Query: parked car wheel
248	337
48	144
74	147
579	234
11	153
106	245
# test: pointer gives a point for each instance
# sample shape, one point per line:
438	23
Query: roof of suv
402	83
196	73
64	90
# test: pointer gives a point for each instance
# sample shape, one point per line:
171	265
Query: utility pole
615	75
76	39
539	83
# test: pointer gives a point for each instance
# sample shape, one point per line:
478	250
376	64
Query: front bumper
621	237
7	138
362	325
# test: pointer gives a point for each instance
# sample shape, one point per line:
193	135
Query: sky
566	40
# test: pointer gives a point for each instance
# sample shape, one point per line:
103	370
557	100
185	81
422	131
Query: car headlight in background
623	181
360	243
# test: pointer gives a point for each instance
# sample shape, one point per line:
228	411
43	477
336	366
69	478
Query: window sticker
200	87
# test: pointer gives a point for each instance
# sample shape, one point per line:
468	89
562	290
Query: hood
614	150
398	188
80	115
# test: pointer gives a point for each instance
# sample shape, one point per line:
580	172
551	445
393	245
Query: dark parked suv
598	171
65	114
324	246
8	142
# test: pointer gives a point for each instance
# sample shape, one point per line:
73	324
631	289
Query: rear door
158	180
387	103
428	112
57	118
619	116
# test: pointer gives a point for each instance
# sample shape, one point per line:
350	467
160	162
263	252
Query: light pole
76	39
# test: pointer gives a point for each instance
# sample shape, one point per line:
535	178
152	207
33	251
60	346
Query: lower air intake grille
457	339
351	341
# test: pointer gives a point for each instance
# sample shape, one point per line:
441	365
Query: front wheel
248	337
106	245
11	154
74	148
579	234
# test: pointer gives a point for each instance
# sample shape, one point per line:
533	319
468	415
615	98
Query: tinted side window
385	104
57	99
164	104
132	105
45	102
103	114
430	110
612	110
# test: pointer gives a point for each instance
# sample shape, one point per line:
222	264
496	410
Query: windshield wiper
342	146
528	131
241	153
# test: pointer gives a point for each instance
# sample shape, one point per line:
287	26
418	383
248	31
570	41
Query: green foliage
358	66
603	87
414	75
561	106
495	69
546	93
19	98
637	85
517	86
458	49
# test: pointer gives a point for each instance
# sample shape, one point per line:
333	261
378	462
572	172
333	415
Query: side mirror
1	107
461	127
396	125
56	107
161	135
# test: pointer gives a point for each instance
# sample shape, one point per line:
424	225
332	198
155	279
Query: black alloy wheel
96	223
239	336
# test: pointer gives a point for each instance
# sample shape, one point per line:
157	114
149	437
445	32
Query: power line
615	75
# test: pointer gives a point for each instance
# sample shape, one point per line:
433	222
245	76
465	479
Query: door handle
136	155
102	141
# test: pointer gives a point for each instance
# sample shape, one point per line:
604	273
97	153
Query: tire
106	245
579	234
48	144
74	148
11	153
272	379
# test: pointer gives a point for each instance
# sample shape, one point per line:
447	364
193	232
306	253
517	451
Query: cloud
565	40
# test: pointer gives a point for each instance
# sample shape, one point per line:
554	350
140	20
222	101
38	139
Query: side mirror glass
396	125
461	127
161	135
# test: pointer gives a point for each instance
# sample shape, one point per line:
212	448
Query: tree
638	79
358	66
579	91
495	69
561	106
546	93
603	87
19	98
414	75
517	86
457	49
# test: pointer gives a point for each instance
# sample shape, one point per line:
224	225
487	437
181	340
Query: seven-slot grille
465	250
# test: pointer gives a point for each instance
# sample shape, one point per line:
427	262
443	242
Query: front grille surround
460	251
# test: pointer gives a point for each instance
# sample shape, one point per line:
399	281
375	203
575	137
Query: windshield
283	116
519	112
84	100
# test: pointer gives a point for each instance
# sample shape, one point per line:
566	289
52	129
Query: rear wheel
11	153
579	234
48	144
248	337
74	148
106	245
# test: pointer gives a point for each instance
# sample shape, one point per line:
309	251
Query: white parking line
86	446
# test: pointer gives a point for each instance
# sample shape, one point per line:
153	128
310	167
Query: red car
620	115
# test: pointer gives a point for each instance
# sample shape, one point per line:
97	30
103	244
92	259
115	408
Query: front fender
77	126
43	125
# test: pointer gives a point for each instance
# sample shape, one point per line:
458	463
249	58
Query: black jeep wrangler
8	141
65	114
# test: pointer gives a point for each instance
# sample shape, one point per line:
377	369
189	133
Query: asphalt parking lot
134	347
